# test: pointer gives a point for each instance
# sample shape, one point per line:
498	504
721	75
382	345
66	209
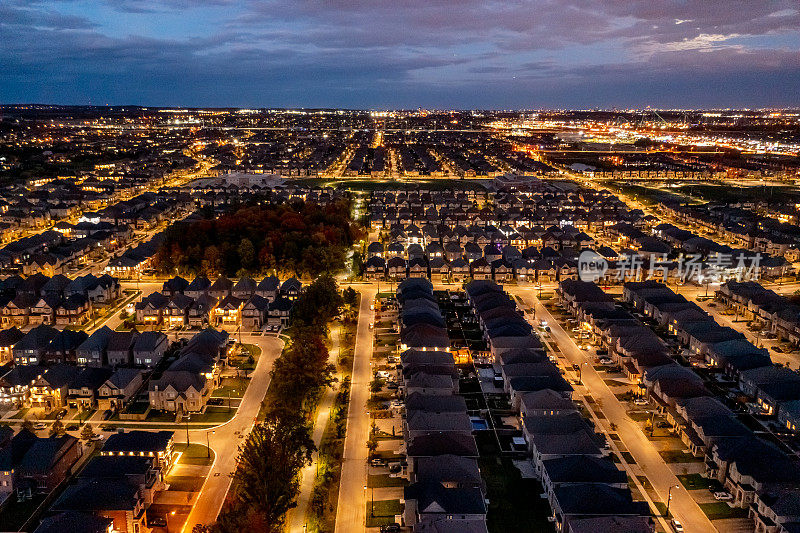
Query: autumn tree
266	482
57	429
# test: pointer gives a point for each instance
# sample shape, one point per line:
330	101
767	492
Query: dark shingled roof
138	441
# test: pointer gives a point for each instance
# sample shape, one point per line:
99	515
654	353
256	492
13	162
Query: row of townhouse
60	385
245	303
438	238
446	489
707	426
752	469
501	270
585	489
116	489
46	345
741	226
755	303
39	299
773	391
547	204
106	347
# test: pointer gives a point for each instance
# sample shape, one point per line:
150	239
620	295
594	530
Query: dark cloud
381	53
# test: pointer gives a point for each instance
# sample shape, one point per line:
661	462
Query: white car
382	373
677	526
640	401
605	361
722	496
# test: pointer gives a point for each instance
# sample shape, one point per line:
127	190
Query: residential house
149	348
119	349
254	313
30	350
83	390
119	388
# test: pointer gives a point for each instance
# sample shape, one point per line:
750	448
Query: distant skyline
384	54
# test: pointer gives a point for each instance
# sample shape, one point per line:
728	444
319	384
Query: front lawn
721	510
213	415
194	454
382	512
160	416
233	386
693	481
679	456
385	480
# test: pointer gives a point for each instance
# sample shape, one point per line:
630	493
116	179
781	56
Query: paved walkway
296	519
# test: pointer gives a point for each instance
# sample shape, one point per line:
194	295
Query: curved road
225	439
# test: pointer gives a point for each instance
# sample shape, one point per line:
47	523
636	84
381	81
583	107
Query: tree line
293	239
266	482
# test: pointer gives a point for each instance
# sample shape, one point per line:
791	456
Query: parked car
723	496
382	373
677	526
390	528
39	426
640	401
60	414
777	349
157	521
605	361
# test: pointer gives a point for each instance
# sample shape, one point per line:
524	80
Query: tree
266	481
57	429
247	253
87	433
350	296
372	445
318	304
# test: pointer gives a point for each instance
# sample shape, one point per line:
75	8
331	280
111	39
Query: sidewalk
296	519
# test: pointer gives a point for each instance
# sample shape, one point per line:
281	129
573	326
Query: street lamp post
187	431
669	496
208	444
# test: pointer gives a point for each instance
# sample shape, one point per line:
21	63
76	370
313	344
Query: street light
208	445
187	431
580	372
669	496
372	500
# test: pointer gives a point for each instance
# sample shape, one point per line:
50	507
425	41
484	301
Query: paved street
226	438
351	510
644	452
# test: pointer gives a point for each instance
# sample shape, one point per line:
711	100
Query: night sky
402	53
